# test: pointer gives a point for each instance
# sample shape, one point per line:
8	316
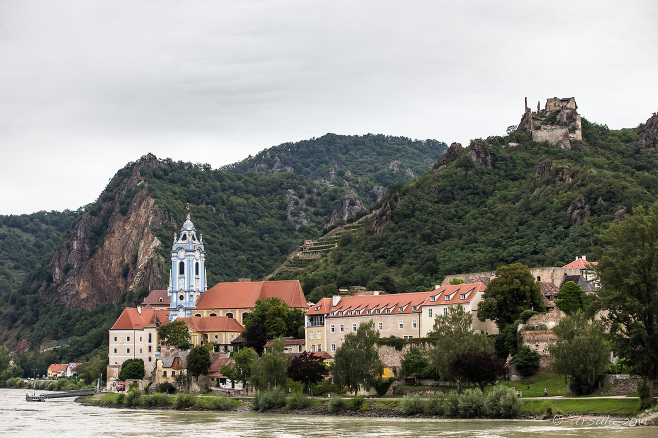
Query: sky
88	86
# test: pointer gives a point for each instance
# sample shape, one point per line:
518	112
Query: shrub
382	385
501	403
121	399
643	394
413	404
451	405
526	314
185	400
134	397
436	406
337	404
266	400
471	404
357	403
167	387
297	400
326	387
214	403
15	382
158	399
526	361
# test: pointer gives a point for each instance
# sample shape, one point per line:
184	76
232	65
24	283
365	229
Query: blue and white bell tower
187	278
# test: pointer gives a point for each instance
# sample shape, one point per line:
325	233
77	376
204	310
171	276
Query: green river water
65	418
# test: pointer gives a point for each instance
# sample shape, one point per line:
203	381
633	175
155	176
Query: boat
34	397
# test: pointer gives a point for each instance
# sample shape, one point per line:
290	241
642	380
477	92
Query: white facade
134	344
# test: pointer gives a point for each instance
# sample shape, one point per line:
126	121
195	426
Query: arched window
244	316
183	237
229	315
181	268
196	268
213	314
197	314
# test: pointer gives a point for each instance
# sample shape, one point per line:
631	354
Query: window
388	310
140	351
400	324
173	374
197	314
310	334
413	324
164	374
342	328
213	314
319	347
319	335
369	311
150	339
462	297
181	268
408	337
115	351
312	348
181	297
445	310
127	350
229	315
150	349
196	268
332	328
354	327
429	312
140	339
115	339
127	338
380	325
333	347
149	358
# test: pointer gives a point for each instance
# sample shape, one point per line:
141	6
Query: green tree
132	369
526	361
198	361
91	370
307	368
582	352
628	271
270	370
512	291
415	364
356	362
254	337
241	370
452	335
175	333
271	314
570	298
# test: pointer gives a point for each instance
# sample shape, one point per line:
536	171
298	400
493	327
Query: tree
415	364
132	369
479	367
526	361
254	337
241	371
198	361
512	291
295	323
91	370
570	298
307	368
356	362
272	315
582	353
270	370
628	271
175	333
453	336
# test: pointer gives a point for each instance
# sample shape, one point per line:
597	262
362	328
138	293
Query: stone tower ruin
558	123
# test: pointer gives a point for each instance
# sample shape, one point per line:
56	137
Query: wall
557	135
135	348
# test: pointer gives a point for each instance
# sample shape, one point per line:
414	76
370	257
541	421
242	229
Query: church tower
187	277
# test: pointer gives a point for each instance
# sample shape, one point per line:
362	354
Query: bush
185	400
413	404
325	387
382	385
134	397
471	404
643	394
297	400
501	403
451	405
357	402
266	400
158	399
15	382
436	406
337	404
167	387
214	403
121	399
526	314
526	361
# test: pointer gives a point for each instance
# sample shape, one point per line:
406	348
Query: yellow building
212	330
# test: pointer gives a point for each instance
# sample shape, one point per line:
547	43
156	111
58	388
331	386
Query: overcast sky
87	86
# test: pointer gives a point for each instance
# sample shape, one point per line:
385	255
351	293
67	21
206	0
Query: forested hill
367	163
498	201
25	238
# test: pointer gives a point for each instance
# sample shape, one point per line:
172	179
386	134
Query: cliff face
111	249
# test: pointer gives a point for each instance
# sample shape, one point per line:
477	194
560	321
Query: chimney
335	300
584	258
139	309
376	293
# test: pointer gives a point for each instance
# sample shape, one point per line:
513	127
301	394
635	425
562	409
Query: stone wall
557	135
552	273
621	384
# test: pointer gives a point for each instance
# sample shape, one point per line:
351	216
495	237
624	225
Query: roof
58	367
287	342
218	364
132	319
157	298
201	324
321	354
243	295
168	361
580	263
456	293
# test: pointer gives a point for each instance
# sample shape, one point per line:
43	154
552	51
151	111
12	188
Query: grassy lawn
583	406
552	382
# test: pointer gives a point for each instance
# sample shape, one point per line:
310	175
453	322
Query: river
65	418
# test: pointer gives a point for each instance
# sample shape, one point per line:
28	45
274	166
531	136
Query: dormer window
160	299
379	310
350	313
369	311
388	310
317	308
433	298
462	297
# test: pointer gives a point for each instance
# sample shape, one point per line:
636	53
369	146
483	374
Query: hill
498	201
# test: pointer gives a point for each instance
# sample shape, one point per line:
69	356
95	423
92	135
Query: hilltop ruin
558	123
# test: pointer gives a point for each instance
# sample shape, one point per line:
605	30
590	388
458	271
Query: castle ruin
558	123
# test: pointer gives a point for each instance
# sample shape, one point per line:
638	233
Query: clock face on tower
181	253
197	254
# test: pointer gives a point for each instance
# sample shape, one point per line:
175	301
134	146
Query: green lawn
554	383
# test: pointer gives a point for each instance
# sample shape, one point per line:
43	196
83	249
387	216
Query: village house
290	345
171	363
217	330
156	300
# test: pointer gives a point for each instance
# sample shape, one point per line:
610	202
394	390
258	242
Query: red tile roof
201	324
132	319
454	293
157	298
243	295
397	303
580	263
287	342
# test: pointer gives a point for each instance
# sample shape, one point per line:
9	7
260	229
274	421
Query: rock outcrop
648	136
384	215
558	123
349	205
478	153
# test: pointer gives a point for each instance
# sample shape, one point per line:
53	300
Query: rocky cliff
111	248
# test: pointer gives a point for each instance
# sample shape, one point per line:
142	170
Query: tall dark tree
254	337
198	361
307	368
570	298
512	291
628	271
479	367
132	369
356	362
